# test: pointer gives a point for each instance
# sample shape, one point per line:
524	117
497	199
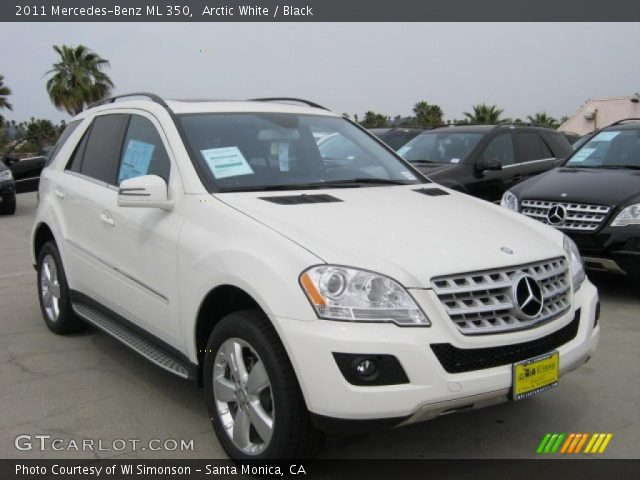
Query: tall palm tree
542	118
78	79
484	114
4	93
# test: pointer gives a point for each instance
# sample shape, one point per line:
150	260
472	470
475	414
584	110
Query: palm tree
4	93
428	115
542	118
78	79
484	114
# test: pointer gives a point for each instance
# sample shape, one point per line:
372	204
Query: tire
240	405
53	293
8	206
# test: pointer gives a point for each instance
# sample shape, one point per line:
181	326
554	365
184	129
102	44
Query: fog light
366	368
370	369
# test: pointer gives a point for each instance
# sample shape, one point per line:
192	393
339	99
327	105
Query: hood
583	185
401	233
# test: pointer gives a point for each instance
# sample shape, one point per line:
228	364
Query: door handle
107	219
58	192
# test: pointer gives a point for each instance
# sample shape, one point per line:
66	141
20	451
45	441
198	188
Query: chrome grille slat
579	216
481	302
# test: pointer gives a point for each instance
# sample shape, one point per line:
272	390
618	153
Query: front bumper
431	390
612	249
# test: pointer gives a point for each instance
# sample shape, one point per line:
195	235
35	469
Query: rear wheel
254	400
53	293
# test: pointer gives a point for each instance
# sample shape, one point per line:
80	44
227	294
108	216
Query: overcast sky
349	67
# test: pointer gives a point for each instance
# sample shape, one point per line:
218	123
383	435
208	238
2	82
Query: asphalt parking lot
89	386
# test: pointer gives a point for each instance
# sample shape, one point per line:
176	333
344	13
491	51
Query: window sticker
408	175
606	136
226	162
136	159
404	150
582	154
283	157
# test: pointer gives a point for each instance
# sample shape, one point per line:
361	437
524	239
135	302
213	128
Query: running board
132	340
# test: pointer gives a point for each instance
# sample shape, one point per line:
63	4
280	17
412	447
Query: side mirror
484	165
148	191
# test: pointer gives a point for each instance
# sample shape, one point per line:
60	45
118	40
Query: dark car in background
594	197
7	191
26	171
396	137
485	160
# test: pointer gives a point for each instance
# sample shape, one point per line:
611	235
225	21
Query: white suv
305	292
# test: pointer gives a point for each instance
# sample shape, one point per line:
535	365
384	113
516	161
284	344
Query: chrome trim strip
150	290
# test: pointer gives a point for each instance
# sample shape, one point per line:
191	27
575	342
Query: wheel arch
219	302
41	235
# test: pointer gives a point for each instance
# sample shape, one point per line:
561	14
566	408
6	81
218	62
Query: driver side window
500	149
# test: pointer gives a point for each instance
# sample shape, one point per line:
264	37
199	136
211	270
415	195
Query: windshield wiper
423	162
616	167
348	183
364	180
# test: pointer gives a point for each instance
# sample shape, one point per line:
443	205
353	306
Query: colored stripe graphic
574	443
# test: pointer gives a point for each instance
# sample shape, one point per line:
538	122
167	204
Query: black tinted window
101	155
76	157
544	148
500	149
529	147
143	152
62	140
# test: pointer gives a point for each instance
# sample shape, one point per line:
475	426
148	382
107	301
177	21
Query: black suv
7	191
594	197
485	160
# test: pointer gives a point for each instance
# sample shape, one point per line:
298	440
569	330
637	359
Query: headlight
5	175
510	201
340	293
576	267
628	216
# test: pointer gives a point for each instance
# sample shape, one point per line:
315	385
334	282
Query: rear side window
62	140
143	152
501	149
98	154
529	147
560	145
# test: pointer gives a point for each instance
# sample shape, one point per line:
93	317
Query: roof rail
151	96
619	122
288	99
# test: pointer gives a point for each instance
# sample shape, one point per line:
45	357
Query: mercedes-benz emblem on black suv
527	296
556	215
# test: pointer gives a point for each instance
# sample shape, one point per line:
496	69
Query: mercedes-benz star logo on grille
527	296
556	215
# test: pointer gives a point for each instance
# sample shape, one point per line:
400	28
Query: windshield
610	149
441	147
269	151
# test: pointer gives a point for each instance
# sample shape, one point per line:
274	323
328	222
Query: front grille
482	302
579	217
458	360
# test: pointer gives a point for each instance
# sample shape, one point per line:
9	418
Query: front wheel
253	397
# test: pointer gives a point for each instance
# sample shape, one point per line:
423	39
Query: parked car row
307	287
